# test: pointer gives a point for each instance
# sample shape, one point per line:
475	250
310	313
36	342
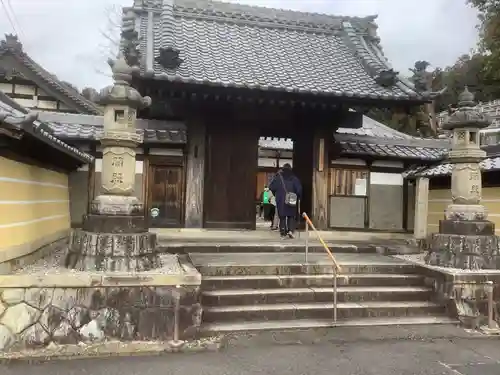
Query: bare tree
89	93
110	33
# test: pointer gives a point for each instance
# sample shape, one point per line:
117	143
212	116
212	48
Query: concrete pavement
443	350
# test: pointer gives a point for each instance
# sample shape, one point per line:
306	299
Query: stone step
320	310
294	246
301	324
300	281
300	269
234	297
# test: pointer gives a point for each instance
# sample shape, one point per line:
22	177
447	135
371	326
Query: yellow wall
439	199
34	205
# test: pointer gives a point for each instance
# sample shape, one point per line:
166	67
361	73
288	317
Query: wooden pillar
302	167
320	171
421	208
195	174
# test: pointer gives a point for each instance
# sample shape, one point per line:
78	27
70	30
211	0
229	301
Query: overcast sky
64	36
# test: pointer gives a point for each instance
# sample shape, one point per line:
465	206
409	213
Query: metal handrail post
334	295
336	267
307	243
491	321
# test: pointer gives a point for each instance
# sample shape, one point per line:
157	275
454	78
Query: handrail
309	222
336	267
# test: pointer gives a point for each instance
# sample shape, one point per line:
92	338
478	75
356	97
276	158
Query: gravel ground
54	264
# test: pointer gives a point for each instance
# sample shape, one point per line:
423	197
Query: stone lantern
114	235
466	239
119	141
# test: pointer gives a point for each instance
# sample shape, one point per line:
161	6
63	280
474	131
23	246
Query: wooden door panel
230	178
165	194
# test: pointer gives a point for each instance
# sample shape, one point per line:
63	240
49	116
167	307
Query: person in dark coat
286	182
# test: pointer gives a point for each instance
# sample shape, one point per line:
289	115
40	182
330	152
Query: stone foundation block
464	251
467	228
112	251
114	224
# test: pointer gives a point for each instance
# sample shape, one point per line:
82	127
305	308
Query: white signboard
360	187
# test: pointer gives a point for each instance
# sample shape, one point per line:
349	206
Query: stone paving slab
264	234
290	259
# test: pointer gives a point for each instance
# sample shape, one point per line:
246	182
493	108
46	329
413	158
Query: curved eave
172	78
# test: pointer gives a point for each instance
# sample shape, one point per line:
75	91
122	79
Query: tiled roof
77	127
234	45
373	128
487	165
372	139
91	133
12	46
17	118
398	151
376	139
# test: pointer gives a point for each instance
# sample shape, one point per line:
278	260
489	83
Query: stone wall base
36	317
465	294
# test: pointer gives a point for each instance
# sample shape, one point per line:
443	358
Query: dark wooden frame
164	161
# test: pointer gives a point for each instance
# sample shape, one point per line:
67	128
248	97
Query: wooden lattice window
349	182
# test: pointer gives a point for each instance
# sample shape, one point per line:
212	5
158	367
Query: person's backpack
265	196
290	198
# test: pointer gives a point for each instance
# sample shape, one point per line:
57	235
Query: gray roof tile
14	47
487	165
14	115
373	128
376	139
236	45
83	132
402	152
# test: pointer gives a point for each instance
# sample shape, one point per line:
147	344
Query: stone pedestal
115	223
124	252
464	244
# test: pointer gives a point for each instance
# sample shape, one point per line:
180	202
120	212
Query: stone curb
95	280
42	356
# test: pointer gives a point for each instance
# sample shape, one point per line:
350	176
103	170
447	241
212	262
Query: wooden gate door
231	168
165	203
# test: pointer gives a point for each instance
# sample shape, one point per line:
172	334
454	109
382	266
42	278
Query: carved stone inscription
117	161
466	183
117	178
131	118
118	173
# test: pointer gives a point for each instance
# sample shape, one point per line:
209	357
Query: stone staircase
277	291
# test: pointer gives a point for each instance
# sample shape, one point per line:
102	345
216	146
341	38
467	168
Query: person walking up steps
287	189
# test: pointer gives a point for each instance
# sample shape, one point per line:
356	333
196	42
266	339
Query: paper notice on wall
360	186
